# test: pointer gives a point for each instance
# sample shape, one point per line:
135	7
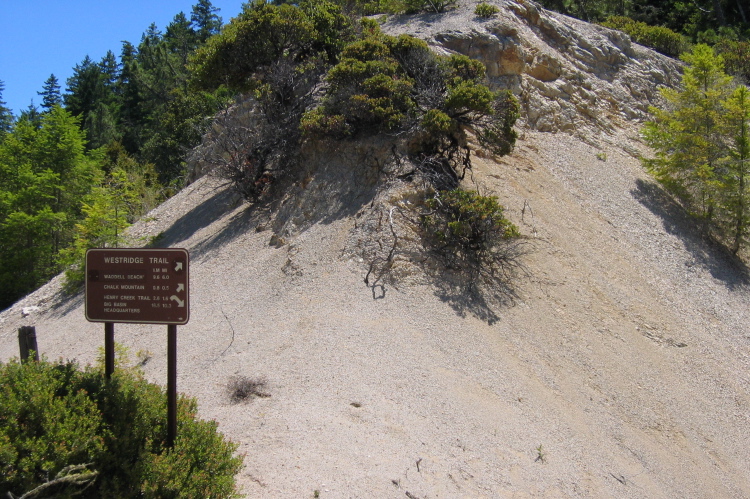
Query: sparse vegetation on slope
486	10
470	234
659	38
374	84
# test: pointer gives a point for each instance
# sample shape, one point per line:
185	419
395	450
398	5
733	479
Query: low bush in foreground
66	432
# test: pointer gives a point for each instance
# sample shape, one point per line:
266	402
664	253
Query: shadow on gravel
247	220
706	252
469	301
65	301
203	215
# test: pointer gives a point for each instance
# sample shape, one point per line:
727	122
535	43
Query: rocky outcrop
569	75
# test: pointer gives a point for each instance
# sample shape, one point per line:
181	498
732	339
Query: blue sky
43	37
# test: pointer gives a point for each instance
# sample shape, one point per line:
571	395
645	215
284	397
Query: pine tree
205	20
132	115
81	93
736	168
105	218
688	136
110	70
32	115
44	175
152	36
93	96
181	39
51	93
6	115
702	146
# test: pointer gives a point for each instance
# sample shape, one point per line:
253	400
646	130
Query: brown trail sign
141	286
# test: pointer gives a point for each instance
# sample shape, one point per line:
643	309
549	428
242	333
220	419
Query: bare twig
233	334
76	475
620	479
523	210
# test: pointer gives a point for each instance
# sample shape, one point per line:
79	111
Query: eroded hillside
620	368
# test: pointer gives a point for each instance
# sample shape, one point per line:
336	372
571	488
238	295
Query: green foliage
50	93
467	96
316	123
126	191
6	115
44	175
374	84
143	101
92	96
265	33
258	37
60	183
470	233
436	122
397	85
371	7
486	10
700	144
56	415
698	20
57	200
178	127
205	19
105	220
436	6
44	425
368	88
736	56
687	136
659	38
734	168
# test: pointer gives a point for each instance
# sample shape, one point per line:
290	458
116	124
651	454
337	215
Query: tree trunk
740	227
742	11
719	12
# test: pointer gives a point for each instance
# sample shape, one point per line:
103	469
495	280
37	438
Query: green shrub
736	54
374	83
315	123
368	87
462	67
45	424
659	38
436	121
396	84
470	233
486	10
436	6
113	433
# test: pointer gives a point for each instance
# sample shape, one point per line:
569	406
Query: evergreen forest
111	142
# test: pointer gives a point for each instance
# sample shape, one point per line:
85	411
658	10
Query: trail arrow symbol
180	303
180	287
177	266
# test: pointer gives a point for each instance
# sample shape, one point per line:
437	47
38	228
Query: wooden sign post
140	286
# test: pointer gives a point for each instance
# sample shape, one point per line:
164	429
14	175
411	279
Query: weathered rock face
568	75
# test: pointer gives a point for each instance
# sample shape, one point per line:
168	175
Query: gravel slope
624	362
